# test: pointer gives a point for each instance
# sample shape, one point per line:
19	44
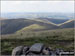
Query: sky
37	6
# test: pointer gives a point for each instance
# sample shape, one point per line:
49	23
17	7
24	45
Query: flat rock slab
36	47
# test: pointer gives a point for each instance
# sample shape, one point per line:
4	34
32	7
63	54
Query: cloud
37	6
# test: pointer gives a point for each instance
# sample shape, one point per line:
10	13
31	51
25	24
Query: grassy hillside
32	27
12	25
60	38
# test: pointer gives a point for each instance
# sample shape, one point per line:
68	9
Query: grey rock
25	50
36	47
45	51
17	51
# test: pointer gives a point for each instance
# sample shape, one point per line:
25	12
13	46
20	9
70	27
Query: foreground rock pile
36	49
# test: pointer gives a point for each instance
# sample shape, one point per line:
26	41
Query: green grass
60	38
32	27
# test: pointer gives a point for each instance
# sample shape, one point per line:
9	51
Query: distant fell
12	25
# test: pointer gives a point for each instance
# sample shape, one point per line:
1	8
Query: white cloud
37	6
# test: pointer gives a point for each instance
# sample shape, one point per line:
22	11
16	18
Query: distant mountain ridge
10	26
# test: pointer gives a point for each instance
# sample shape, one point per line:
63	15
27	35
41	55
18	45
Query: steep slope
67	24
12	25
